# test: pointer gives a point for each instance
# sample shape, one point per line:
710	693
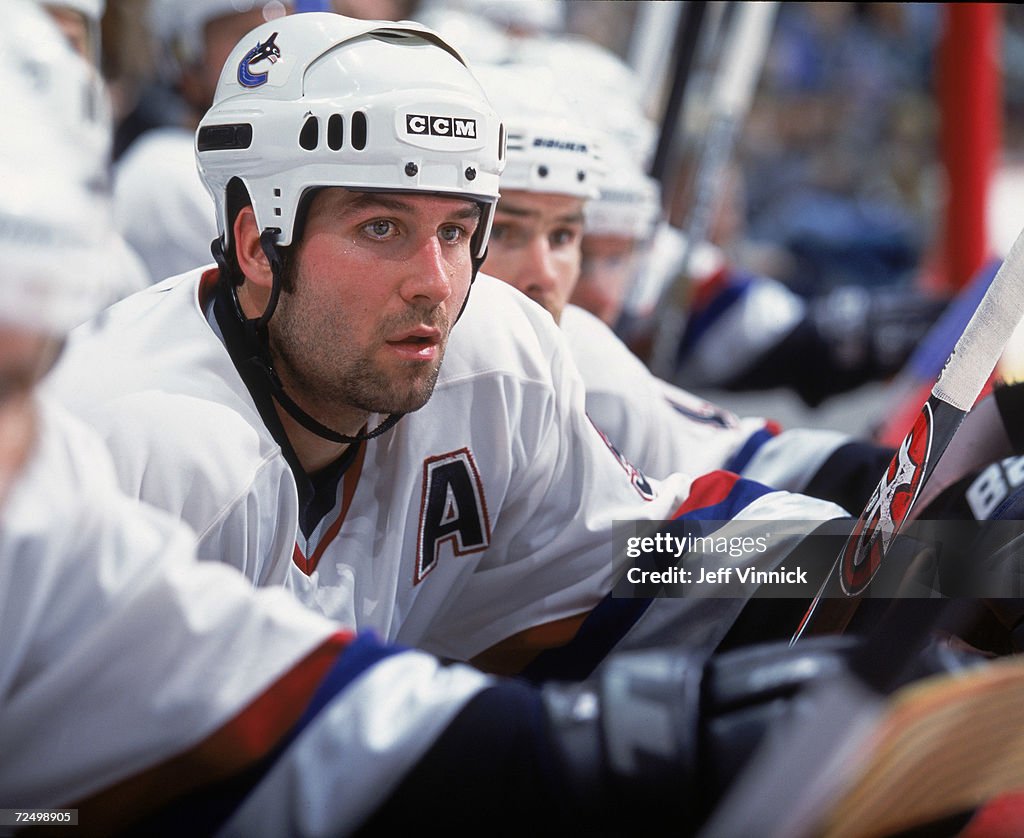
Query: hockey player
161	205
164	696
291	404
157	695
548	188
79	21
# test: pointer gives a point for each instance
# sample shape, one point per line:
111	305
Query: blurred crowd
835	178
833	196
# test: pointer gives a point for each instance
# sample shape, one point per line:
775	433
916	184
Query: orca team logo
268	51
433	125
888	508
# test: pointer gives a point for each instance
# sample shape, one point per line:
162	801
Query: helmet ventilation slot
309	136
335	131
359	130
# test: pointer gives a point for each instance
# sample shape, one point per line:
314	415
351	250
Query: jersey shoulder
154	381
605	362
502	331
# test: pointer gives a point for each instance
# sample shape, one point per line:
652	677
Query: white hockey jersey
663	429
487	512
133	677
160	204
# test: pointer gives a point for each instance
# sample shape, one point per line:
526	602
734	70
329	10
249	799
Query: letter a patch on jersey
452	509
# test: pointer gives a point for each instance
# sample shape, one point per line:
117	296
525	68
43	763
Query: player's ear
251	259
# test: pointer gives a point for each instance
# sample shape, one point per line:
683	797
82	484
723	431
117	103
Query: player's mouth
420	344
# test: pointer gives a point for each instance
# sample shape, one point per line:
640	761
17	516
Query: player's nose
430	274
539	272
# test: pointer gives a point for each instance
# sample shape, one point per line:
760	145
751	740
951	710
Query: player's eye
451	233
563	236
509	235
379	228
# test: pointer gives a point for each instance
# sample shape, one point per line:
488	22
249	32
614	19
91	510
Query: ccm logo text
440	126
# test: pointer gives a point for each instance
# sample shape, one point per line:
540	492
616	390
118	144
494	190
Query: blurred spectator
377	9
839	153
161	206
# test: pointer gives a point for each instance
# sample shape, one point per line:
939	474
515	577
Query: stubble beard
336	383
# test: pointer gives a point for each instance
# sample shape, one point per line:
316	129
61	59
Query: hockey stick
733	92
685	50
961	380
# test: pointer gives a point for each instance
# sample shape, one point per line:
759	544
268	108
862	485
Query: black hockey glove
658	737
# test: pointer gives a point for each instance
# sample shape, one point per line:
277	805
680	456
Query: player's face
377	283
24	358
535	246
609	265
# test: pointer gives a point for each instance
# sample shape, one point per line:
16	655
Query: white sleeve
662	429
119	650
132	676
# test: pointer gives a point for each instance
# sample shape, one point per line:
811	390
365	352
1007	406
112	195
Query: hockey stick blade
962	378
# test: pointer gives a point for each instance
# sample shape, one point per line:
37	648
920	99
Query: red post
970	103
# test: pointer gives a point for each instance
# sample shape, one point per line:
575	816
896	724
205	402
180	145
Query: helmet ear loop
225	267
477	262
269	248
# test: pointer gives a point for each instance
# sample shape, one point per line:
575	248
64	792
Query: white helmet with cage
549	146
318	99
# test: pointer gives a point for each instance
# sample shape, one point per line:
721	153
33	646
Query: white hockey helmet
62	84
600	85
477	39
53	222
630	201
91	10
318	99
528	16
549	147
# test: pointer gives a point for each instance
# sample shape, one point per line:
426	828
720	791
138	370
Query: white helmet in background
630	201
179	24
64	86
91	10
318	99
83	33
525	16
515	17
549	147
600	85
54	223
